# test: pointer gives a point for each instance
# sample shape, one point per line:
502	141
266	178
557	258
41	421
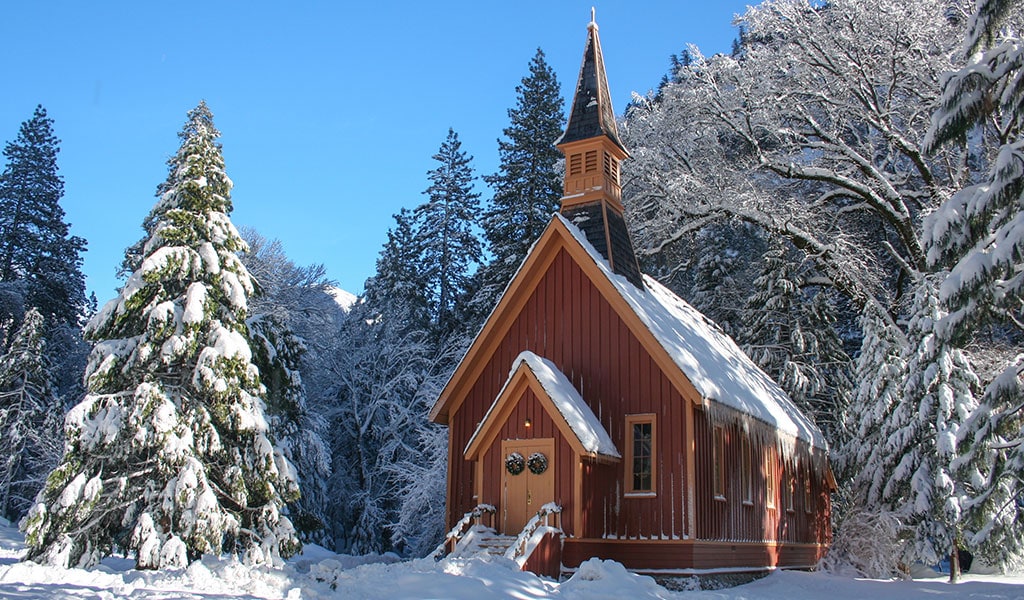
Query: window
640	454
808	496
788	482
746	473
591	160
718	460
769	477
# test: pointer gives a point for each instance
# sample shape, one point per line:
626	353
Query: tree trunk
954	564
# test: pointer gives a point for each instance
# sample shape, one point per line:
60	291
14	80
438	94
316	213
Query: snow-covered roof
709	358
582	421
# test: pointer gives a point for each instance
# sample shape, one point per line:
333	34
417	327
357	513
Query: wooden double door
524	493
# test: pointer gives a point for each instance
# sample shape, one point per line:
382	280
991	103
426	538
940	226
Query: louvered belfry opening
592	195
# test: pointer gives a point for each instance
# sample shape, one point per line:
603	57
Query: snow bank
318	573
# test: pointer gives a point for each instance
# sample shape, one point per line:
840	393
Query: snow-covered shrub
867	543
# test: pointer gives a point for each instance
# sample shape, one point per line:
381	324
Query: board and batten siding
541	427
730	519
567	320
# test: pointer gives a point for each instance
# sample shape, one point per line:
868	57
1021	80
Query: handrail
518	548
459	530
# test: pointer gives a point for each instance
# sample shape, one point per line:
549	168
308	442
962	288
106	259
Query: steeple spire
592	194
592	113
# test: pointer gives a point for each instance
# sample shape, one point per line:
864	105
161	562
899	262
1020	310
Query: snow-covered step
483	541
496	545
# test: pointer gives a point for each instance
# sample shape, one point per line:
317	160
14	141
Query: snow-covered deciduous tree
376	426
170	454
978	233
293	327
813	133
31	441
449	246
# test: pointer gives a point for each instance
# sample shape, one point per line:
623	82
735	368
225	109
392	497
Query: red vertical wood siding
735	521
529	407
567	321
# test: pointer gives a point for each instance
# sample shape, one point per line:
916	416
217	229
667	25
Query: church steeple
592	194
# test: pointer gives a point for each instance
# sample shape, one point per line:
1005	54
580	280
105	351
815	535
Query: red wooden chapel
593	388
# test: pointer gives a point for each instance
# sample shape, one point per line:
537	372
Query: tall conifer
169	454
35	241
528	184
449	245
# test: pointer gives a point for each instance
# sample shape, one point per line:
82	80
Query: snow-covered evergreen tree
449	246
978	234
169	456
789	331
920	435
35	240
397	285
30	418
298	432
862	458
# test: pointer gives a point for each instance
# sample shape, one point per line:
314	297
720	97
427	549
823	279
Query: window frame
718	462
808	495
788	483
630	473
746	471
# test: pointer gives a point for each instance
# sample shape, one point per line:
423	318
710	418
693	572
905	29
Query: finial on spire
593	19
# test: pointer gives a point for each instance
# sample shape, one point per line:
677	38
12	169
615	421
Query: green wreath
538	463
515	463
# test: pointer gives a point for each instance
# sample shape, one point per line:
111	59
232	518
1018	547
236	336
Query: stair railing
473	517
518	548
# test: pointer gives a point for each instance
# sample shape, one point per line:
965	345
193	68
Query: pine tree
789	332
35	243
169	455
977	234
528	185
448	243
862	458
296	431
30	415
398	288
923	485
293	328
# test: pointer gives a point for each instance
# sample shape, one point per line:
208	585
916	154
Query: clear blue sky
330	111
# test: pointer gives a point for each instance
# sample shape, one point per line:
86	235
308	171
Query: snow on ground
320	574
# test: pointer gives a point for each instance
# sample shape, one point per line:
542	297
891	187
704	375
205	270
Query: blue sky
330	111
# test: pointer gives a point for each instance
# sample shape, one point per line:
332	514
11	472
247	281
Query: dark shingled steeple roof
592	113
